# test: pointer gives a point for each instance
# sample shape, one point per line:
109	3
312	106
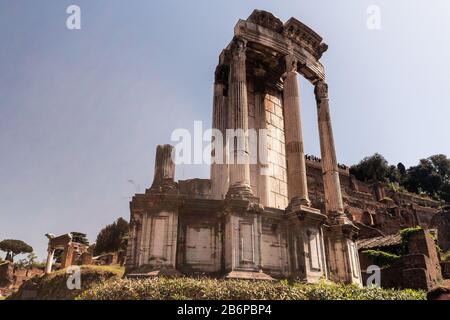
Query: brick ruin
417	266
293	216
376	209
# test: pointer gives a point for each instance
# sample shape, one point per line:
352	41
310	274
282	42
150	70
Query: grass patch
381	258
214	289
106	283
54	286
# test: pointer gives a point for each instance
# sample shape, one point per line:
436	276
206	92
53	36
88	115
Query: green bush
213	289
381	258
54	286
405	234
396	187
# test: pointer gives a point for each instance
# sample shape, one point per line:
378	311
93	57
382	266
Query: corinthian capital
291	63
239	47
321	91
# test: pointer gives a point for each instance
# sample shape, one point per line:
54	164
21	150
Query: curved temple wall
252	220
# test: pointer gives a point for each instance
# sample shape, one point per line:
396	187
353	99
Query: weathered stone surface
163	181
445	269
6	274
375	209
417	268
289	216
72	251
441	221
295	154
238	119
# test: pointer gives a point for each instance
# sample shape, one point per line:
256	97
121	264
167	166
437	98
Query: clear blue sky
81	112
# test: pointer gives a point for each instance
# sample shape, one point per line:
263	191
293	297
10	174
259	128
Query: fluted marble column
238	120
49	263
343	253
297	183
333	196
219	168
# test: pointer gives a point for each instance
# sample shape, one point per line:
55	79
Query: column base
242	239
239	191
343	253
307	250
298	201
167	186
339	218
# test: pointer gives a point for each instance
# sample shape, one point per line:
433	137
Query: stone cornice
305	37
267	20
280	45
293	29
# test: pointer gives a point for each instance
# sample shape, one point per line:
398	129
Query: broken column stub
163	181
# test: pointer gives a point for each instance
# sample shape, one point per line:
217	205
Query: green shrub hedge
381	258
213	289
405	234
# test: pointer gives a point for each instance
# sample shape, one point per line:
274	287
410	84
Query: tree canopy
14	247
110	238
79	237
377	169
431	176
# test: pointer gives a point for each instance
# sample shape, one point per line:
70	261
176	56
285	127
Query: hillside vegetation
54	285
214	289
106	283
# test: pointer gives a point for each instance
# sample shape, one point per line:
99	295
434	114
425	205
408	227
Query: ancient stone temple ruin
72	248
252	220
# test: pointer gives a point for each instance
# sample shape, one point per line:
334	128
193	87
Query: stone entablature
73	252
293	29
